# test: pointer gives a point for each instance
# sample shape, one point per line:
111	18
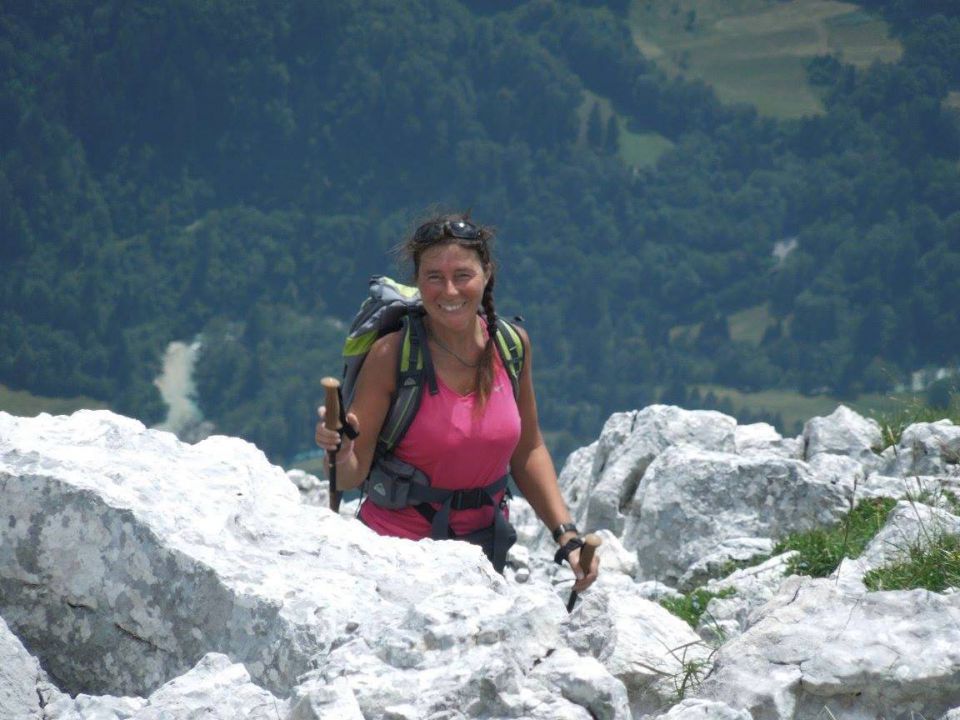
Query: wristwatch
564	528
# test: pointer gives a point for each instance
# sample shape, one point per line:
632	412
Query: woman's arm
533	470
371	402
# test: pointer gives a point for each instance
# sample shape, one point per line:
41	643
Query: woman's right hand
330	440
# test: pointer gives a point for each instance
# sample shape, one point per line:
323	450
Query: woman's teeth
451	308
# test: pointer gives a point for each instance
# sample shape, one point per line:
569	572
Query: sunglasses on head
434	231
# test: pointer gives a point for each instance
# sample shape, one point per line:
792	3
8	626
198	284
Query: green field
746	325
750	324
638	150
24	404
754	51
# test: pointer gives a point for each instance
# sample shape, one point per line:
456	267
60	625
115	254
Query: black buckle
469	499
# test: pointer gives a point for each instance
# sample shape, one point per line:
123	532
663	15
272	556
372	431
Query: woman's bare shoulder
381	362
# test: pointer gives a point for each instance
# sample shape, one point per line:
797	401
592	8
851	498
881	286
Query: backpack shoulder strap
414	366
510	346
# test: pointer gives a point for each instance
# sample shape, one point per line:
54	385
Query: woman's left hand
584	580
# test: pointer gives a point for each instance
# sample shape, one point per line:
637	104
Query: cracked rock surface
813	646
144	578
126	557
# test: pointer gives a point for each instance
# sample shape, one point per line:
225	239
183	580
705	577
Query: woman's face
451	280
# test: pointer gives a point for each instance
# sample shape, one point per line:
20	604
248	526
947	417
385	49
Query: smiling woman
469	431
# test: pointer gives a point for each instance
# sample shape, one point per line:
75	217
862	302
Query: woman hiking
470	429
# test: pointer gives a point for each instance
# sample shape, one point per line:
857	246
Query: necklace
443	347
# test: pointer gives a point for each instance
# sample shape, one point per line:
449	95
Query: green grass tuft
822	550
934	567
904	414
690	607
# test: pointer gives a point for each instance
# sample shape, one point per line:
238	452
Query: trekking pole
590	544
331	421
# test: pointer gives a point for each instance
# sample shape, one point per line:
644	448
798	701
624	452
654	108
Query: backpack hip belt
394	484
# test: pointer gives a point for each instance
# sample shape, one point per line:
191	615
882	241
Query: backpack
393	484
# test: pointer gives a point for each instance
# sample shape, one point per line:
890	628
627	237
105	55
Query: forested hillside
237	170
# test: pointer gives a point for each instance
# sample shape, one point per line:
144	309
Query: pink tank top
458	449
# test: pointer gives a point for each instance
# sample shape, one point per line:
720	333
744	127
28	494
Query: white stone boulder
697	709
817	649
844	432
926	449
692	500
318	699
614	557
727	616
645	646
21	679
628	444
717	562
763	437
126	557
215	689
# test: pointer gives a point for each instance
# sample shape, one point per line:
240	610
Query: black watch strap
563	553
564	528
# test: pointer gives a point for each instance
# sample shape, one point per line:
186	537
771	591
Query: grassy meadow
754	51
639	150
25	404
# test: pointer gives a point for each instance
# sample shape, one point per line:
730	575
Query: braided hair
437	228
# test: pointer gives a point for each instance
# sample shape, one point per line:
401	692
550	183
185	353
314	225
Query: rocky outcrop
684	507
126	557
148	578
21	679
925	449
815	648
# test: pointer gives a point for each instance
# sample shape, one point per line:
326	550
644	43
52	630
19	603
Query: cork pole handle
331	418
590	544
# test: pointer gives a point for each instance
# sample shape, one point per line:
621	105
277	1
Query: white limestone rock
316	491
839	470
126	556
215	689
909	525
313	490
877	485
585	682
531	533
614	557
628	444
763	437
952	714
638	641
95	707
691	500
926	449
843	432
727	617
697	709
317	699
883	654
20	679
463	649
731	550
656	591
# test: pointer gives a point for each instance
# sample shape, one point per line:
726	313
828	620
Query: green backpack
393	484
